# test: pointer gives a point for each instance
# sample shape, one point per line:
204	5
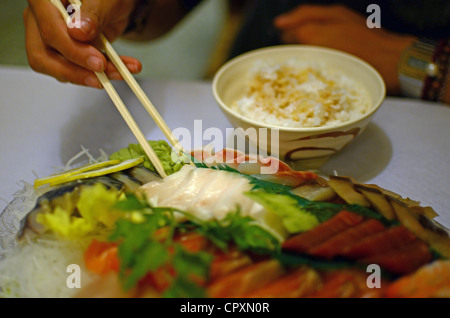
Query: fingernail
133	68
95	64
86	27
115	76
92	82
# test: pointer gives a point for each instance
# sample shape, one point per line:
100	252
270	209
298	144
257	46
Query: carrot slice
101	257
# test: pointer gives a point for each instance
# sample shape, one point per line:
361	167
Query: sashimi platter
216	227
154	220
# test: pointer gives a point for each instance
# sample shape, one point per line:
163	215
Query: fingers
314	14
52	51
46	60
107	16
306	34
132	64
54	33
92	20
313	24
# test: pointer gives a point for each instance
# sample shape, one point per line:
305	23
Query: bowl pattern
318	145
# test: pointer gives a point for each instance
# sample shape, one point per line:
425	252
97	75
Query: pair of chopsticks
132	83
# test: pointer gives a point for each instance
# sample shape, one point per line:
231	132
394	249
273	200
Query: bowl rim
295	47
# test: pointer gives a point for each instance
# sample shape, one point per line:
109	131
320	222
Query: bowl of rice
314	100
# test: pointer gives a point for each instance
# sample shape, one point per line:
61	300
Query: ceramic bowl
311	147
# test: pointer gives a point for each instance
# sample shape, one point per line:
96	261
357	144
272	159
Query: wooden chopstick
121	107
136	88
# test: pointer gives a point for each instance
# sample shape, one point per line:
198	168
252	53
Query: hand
340	28
68	53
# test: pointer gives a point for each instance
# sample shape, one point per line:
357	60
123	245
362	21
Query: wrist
391	51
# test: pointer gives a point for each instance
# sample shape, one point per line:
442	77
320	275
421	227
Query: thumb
91	17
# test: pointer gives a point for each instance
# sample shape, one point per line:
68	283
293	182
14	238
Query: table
44	123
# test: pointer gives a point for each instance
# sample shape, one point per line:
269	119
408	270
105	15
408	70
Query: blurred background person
410	49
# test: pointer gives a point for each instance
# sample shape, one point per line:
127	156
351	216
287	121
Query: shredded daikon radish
37	268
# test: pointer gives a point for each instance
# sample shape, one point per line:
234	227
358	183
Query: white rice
300	94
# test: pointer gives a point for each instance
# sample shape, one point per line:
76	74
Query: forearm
391	48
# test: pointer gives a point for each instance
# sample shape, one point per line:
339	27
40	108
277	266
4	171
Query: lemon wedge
89	171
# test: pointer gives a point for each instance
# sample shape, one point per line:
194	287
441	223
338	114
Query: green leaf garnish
242	231
145	247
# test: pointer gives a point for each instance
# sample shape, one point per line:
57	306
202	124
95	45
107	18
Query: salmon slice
336	244
393	238
302	242
432	280
404	260
226	263
347	283
246	280
299	283
193	242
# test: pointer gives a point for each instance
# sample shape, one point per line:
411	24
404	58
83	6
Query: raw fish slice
228	198
404	260
299	283
246	280
201	194
339	242
162	189
432	280
226	263
340	222
206	193
348	283
184	195
393	238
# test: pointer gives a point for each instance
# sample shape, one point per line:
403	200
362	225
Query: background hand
340	28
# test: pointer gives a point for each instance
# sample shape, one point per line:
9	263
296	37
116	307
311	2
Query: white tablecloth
44	123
